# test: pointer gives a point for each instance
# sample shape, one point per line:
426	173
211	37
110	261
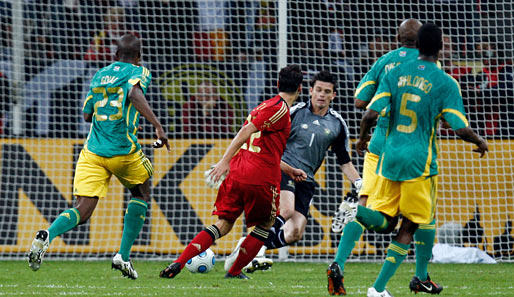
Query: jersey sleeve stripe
87	99
363	86
133	147
145	71
279	114
134	81
426	172
458	114
128	112
128	119
377	97
136	115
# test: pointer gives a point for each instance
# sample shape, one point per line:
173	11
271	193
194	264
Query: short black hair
290	78
325	76
430	40
129	47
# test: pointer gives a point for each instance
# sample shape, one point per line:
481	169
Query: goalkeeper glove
346	213
358	185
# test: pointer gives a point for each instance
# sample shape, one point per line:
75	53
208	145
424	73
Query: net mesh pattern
212	62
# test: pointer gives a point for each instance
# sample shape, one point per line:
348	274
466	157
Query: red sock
248	250
200	243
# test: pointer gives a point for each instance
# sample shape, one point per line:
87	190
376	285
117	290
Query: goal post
212	62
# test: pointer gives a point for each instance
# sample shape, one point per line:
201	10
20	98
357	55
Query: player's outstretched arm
367	122
361	104
468	135
298	175
351	173
223	166
137	97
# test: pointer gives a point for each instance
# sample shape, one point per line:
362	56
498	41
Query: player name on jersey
108	79
418	82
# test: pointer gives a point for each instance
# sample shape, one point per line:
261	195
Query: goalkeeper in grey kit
315	127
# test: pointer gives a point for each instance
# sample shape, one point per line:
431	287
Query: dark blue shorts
303	193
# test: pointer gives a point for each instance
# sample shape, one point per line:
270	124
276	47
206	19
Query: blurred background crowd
213	61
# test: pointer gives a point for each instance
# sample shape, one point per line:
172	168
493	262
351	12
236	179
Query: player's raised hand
481	148
362	146
162	139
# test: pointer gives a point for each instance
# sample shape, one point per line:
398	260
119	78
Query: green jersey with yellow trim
417	93
115	119
369	84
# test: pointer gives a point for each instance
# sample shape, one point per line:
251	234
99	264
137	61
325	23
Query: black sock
279	222
277	242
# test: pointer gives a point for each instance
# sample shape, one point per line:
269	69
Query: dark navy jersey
310	137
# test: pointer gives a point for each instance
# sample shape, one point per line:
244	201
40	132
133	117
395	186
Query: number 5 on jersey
408	113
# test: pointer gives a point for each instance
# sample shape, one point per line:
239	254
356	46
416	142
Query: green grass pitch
95	278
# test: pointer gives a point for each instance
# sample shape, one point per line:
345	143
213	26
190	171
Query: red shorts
260	203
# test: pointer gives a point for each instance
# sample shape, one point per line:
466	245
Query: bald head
129	48
408	32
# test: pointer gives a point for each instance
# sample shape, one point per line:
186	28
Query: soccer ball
202	263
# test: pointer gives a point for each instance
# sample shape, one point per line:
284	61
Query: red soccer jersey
258	160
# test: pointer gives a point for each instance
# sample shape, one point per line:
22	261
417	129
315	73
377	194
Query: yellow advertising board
37	176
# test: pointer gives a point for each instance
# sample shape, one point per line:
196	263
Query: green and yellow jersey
115	119
369	84
417	94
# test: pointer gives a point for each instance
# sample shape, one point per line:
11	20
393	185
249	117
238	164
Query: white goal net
212	61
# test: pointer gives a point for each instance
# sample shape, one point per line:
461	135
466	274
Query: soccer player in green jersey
425	235
116	98
417	94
